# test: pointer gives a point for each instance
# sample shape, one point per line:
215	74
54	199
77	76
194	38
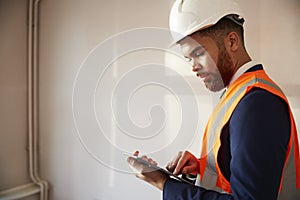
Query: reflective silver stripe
220	116
289	190
214	134
274	86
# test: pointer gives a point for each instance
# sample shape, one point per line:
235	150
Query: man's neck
242	69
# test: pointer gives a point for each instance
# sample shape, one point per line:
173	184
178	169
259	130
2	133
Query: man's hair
221	29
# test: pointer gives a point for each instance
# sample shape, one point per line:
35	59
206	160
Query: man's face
210	62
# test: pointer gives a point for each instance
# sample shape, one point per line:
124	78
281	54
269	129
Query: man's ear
233	41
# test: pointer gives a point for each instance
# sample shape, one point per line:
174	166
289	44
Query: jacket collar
247	67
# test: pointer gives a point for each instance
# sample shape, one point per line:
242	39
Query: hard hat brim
187	34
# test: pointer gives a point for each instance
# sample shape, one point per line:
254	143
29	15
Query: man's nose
196	66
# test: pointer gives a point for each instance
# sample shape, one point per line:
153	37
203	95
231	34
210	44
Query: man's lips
202	75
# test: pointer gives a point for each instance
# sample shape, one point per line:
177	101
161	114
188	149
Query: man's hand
184	163
147	174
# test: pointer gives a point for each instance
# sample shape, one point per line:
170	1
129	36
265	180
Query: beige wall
13	101
69	30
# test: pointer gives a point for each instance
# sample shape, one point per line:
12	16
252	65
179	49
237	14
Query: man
247	144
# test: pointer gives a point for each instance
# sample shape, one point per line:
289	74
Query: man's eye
188	59
199	54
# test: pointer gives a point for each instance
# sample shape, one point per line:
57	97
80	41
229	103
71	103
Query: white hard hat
189	16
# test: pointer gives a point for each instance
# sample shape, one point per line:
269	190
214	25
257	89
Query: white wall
69	30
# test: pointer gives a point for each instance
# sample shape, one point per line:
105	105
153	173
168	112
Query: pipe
32	65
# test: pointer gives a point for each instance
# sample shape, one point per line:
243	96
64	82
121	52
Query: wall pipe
32	73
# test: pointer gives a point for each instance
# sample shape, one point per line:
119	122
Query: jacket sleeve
259	131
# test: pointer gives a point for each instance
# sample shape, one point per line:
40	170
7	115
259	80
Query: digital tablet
155	167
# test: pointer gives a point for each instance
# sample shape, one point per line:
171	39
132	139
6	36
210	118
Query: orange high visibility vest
222	114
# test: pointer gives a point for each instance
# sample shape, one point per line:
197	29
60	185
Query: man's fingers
138	166
136	153
181	163
184	161
145	171
152	161
132	162
172	165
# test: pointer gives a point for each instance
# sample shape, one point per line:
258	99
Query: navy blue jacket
252	152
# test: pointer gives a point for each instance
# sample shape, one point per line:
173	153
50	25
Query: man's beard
222	76
225	66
